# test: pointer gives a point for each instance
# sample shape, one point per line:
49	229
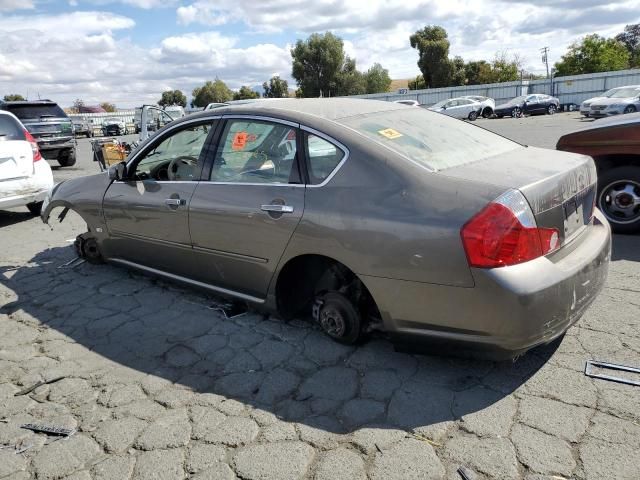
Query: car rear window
431	139
35	111
10	129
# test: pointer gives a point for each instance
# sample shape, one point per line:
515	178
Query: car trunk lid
16	159
559	187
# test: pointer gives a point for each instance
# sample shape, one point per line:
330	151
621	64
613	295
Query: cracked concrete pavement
160	386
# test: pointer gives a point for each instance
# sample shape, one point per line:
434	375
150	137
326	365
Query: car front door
245	211
147	213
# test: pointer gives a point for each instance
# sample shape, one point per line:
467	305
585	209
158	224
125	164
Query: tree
505	68
478	72
317	61
216	91
14	97
108	107
377	79
417	83
245	93
458	74
630	38
276	88
78	103
173	97
432	44
593	54
349	80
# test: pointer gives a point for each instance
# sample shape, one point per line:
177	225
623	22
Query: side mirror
117	171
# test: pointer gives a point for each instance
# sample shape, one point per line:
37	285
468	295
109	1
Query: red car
614	144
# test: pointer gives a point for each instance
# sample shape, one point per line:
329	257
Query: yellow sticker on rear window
390	133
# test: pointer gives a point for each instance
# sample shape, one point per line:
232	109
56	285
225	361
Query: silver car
461	108
360	214
585	107
623	100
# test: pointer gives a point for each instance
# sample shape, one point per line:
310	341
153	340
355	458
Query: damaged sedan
360	214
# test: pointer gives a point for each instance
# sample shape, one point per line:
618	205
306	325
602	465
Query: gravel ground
159	386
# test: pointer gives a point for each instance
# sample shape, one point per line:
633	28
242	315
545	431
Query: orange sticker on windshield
239	141
390	133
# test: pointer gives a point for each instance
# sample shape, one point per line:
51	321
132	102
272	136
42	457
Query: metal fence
96	119
570	90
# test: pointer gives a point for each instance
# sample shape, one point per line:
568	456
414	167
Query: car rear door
16	155
147	213
244	212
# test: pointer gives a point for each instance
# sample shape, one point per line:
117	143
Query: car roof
29	102
325	108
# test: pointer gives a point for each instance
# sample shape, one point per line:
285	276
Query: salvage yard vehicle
535	104
114	126
622	101
585	107
487	104
25	179
462	108
360	214
82	126
614	144
49	126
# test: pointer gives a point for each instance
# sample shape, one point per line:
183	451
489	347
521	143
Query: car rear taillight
34	146
505	233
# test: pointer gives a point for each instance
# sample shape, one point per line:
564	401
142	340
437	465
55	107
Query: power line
545	58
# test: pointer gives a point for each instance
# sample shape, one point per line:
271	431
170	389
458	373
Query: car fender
83	195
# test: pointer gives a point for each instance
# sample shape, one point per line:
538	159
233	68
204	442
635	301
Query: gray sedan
361	215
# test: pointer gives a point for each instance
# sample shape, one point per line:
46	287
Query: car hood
594	99
615	101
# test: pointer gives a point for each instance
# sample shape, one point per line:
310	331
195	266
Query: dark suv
50	126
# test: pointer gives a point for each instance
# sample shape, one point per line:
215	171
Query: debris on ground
467	474
39	384
589	372
49	429
230	309
72	263
424	439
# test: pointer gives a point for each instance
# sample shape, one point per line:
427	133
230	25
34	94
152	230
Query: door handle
277	208
174	202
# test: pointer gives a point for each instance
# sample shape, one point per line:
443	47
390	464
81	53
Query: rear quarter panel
606	140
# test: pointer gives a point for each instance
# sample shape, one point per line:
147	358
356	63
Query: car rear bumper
510	309
20	192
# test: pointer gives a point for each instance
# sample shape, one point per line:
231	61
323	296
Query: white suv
25	178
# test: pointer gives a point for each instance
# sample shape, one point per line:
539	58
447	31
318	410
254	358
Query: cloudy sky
128	51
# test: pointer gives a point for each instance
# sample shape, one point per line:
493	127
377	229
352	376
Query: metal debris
467	474
39	384
588	371
18	448
230	309
49	429
72	263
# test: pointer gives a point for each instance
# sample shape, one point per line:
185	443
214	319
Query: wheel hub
332	322
621	201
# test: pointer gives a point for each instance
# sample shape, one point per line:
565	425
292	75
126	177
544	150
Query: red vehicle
614	144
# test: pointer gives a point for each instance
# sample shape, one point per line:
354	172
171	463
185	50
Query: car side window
256	151
175	157
323	157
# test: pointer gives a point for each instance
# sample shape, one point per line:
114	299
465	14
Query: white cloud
9	5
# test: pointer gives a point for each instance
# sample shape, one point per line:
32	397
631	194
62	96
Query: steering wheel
176	163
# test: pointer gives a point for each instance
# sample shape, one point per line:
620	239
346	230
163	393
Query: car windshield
10	129
626	93
432	140
26	111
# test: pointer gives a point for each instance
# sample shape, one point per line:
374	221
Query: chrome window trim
232	116
333	141
171	129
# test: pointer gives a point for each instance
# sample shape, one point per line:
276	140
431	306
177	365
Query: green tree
317	62
245	93
478	72
173	97
417	83
377	79
432	44
216	91
630	38
13	97
458	74
349	80
593	54
108	107
275	88
505	68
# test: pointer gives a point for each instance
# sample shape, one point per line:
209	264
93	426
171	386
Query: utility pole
545	58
